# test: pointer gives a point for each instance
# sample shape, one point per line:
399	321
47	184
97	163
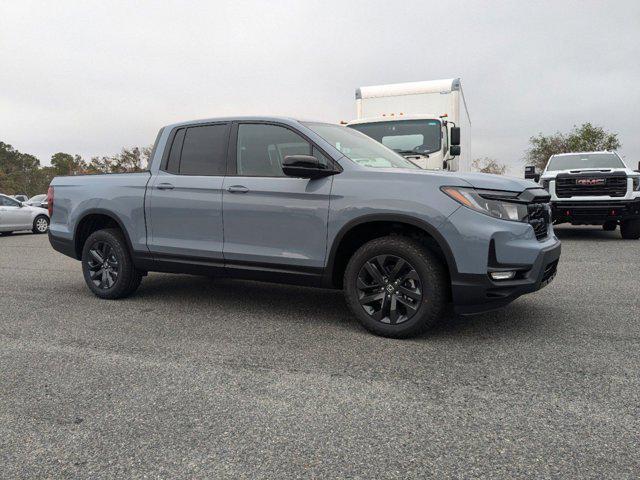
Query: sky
91	77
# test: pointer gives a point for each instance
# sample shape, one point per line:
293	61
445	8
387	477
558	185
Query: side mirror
455	136
454	150
531	174
304	166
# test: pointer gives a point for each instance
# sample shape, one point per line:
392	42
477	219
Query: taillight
50	201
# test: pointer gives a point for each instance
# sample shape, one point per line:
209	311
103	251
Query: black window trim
232	165
169	144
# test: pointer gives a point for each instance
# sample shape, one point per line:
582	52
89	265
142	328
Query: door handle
165	186
238	189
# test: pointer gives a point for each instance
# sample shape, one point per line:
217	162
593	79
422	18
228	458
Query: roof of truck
409	88
584	153
246	118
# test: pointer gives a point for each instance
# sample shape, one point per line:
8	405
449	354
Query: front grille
613	185
539	218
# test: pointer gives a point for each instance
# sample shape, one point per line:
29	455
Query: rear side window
262	148
200	150
204	151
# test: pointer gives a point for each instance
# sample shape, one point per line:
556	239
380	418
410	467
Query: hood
482	181
494	182
35	209
553	173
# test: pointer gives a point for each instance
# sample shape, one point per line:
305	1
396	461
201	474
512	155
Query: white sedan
15	216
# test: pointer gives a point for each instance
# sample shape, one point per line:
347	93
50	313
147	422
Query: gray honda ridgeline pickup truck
314	204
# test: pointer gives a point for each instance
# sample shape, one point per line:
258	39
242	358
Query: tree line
584	138
22	172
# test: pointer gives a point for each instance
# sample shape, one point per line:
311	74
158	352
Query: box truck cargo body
427	122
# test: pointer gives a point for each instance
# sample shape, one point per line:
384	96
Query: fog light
502	275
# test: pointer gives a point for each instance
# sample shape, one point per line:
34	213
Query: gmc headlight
636	183
489	202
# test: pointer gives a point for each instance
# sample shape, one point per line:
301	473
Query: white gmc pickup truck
593	188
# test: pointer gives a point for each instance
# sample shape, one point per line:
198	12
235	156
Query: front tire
630	229
40	224
107	265
396	287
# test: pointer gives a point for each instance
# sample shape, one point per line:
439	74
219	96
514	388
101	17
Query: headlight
636	183
545	184
489	202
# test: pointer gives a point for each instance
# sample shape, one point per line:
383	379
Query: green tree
18	171
100	165
489	165
131	160
66	164
585	138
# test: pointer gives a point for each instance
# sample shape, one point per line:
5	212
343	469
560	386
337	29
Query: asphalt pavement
200	378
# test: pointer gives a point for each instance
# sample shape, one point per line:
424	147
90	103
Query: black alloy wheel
396	286
389	289
103	265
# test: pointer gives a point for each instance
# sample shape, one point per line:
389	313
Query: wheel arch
377	225
97	219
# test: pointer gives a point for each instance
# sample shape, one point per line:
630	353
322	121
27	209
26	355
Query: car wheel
609	226
40	224
107	265
6	234
630	229
396	287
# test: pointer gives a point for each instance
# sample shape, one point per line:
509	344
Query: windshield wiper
411	152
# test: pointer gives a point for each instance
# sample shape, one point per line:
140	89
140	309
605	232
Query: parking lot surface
193	377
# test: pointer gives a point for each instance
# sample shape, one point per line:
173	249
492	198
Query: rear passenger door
184	204
273	223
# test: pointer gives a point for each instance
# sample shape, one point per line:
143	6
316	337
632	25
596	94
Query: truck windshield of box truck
407	136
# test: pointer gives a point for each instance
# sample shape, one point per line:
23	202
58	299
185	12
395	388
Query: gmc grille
539	218
614	185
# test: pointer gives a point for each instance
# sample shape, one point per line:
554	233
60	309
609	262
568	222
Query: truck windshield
584	160
405	136
360	148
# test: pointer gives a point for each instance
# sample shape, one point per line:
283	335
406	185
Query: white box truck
426	122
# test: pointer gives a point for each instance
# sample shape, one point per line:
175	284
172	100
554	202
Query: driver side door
273	224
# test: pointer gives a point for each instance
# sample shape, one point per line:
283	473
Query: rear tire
40	224
396	287
609	226
630	229
107	265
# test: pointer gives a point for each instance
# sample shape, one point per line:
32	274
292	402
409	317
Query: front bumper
594	212
477	293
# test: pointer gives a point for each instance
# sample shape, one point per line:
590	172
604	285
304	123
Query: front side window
359	147
405	136
584	160
262	148
8	202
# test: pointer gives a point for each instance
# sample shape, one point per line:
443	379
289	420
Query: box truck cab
423	121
